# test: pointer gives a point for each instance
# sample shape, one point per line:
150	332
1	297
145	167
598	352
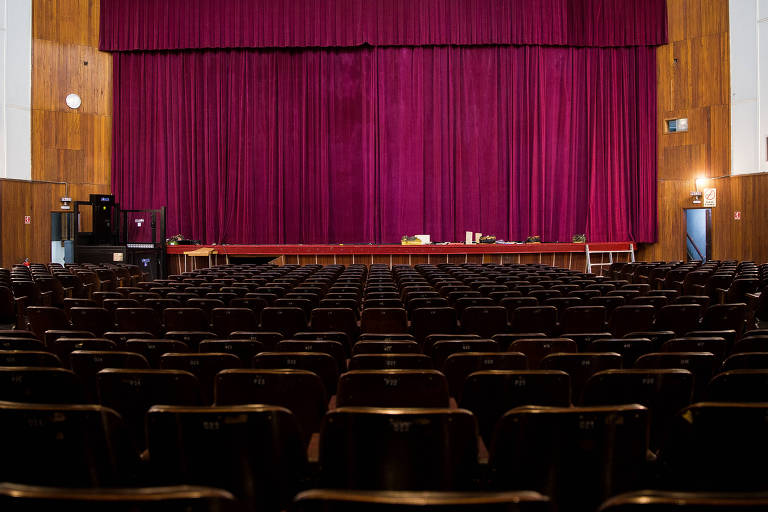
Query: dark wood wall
75	146
72	146
694	82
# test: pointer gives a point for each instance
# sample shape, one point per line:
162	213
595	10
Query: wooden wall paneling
711	59
66	21
705	17
676	16
743	239
671	244
693	81
72	146
20	198
20	240
60	69
720	140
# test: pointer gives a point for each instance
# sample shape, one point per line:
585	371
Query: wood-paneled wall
694	81
72	146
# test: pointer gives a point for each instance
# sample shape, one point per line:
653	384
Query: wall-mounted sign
736	215
139	222
710	197
27	219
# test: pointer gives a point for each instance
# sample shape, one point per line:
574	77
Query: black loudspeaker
103	219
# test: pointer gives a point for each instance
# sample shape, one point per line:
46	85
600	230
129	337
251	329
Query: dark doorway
698	234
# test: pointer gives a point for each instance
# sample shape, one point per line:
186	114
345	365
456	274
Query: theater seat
87	363
398	449
580	367
384	320
491	393
738	386
184	498
676	501
391	361
535	349
204	366
577	456
253	451
383	347
703	365
717	446
227	320
299	391
333	348
29	358
392	388
330	500
243	349
40	385
152	348
132	392
324	365
62	445
535	319
663	392
458	366
137	319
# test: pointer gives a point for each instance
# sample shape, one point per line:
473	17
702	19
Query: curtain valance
139	25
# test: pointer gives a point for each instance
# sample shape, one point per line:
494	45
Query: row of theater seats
577	456
416	301
16	498
480	375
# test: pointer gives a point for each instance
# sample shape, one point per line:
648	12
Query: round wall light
73	101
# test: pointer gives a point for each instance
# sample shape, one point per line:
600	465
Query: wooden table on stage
200	251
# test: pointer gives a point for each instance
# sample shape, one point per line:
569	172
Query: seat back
253	451
204	366
132	392
392	388
398	449
301	392
62	445
24	498
717	446
491	393
322	500
580	367
577	456
324	365
40	385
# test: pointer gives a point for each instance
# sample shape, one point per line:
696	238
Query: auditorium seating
436	379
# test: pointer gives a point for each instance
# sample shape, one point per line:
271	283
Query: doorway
698	234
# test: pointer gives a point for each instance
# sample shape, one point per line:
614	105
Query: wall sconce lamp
697	193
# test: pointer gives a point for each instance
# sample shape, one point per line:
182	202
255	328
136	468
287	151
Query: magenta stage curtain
368	144
128	25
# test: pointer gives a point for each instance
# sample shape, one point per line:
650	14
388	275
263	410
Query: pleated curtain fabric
347	143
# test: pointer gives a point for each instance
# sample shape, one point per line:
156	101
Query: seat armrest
89	289
720	294
21	307
46	298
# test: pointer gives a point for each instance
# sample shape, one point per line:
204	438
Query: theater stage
565	255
